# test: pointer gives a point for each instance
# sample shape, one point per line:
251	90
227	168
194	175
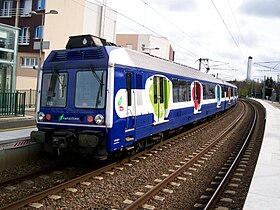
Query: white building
76	18
147	43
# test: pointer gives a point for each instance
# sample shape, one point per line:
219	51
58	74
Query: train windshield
54	89
91	89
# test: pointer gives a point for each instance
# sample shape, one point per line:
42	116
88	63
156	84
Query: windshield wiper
54	77
100	81
58	78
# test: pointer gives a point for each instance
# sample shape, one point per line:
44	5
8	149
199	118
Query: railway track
107	169
31	174
200	155
231	171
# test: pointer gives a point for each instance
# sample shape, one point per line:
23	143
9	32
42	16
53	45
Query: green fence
12	104
30	97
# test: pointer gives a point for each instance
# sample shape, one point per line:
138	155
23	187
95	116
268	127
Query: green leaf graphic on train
61	117
120	101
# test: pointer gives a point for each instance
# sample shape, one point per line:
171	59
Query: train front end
73	92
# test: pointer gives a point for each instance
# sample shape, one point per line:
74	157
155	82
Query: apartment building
147	43
49	23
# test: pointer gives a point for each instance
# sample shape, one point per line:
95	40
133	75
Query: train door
131	105
159	99
218	96
225	96
197	96
229	95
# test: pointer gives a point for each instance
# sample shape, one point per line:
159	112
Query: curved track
205	151
25	201
222	188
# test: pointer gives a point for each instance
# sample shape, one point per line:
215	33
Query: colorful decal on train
197	96
159	94
218	91
121	103
229	94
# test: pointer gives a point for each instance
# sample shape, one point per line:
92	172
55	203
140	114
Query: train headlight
41	116
99	119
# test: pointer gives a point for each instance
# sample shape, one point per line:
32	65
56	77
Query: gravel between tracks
110	192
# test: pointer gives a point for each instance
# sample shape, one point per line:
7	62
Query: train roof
113	55
128	57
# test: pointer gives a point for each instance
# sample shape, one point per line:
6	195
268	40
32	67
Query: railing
30	98
12	12
24	40
12	104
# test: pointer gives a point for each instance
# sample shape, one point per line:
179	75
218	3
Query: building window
26	62
38	32
7	8
26	7
40	4
24	36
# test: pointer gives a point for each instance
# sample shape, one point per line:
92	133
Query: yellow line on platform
18	128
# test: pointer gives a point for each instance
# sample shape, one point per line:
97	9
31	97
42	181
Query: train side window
155	90
205	91
182	91
189	94
175	86
211	92
161	89
128	87
208	91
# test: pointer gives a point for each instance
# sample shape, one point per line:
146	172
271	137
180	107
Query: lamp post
149	48
43	14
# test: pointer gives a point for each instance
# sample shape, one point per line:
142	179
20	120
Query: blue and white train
100	99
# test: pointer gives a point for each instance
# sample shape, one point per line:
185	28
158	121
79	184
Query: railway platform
264	190
15	132
15	144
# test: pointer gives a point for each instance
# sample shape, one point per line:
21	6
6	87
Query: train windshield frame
54	89
90	89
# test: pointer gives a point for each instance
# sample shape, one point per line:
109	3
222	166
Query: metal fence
12	103
30	99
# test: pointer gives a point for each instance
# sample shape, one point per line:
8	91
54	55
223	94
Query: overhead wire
102	4
173	24
168	20
151	30
180	29
237	24
156	33
221	17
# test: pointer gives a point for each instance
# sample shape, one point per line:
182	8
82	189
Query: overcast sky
227	31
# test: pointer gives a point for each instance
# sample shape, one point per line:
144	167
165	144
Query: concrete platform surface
9	136
264	192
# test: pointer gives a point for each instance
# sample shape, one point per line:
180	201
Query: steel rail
153	191
38	196
55	189
210	204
